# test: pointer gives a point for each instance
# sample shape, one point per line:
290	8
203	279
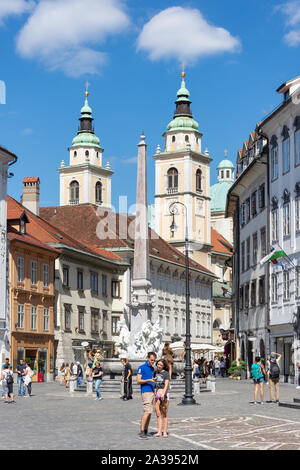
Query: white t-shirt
5	373
217	364
75	369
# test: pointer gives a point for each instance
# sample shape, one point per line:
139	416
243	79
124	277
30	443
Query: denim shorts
259	381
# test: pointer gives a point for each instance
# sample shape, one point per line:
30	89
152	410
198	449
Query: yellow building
85	180
32	296
182	174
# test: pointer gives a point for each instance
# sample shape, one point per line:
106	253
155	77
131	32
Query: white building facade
282	127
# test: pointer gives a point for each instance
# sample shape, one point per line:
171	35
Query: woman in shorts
7	378
162	381
258	374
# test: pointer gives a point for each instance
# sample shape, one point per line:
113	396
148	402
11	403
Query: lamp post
188	398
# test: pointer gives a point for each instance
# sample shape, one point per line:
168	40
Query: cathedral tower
182	173
85	180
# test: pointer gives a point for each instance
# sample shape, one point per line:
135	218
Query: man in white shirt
217	367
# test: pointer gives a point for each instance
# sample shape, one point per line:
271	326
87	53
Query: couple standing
155	394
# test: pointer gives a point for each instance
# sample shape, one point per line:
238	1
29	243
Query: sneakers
261	402
142	435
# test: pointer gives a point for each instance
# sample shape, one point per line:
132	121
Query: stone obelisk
141	297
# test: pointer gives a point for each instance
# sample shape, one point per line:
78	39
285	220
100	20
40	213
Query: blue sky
133	67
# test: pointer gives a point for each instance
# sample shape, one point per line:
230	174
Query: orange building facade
32	299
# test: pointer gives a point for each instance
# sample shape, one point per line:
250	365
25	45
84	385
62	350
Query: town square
150	227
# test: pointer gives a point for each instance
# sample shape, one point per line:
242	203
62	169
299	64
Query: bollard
72	383
89	386
196	384
208	383
213	383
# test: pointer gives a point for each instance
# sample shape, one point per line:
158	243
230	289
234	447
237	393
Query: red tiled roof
220	244
83	220
45	232
31	179
13	234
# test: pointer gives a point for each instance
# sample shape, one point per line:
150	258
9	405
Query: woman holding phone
162	381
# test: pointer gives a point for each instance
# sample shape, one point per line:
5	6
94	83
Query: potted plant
236	371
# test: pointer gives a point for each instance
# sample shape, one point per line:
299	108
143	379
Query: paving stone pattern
228	419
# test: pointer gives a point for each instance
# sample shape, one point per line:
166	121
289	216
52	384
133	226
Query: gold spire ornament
183	72
86	94
226	151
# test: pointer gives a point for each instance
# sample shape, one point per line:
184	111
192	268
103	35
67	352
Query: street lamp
188	398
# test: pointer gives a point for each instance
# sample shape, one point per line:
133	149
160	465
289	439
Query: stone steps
295	404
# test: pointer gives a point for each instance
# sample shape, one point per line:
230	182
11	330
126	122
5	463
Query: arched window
173	138
187	138
98	193
87	153
173	179
75	154
198	180
74	192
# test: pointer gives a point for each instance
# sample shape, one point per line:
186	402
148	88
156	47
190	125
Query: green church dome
225	164
218	195
86	139
183	123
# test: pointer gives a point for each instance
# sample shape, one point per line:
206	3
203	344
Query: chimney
31	194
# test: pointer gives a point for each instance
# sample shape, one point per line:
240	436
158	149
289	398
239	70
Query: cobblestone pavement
52	419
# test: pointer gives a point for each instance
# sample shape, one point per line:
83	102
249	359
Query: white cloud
184	34
27	131
63	34
14	7
292	12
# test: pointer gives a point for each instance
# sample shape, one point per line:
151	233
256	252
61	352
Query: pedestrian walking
127	380
211	367
298	366
222	367
162	399
2	368
217	366
72	381
168	354
258	373
97	376
145	380
67	375
79	374
274	376
21	368
90	358
28	379
7	380
62	373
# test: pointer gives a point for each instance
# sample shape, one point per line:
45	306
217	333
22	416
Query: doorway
31	357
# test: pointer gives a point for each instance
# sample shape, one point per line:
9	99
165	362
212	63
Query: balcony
172	190
74	202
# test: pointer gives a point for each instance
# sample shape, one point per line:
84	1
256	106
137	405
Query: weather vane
87	89
226	151
183	72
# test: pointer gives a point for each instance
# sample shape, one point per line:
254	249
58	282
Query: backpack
256	371
9	379
274	370
197	372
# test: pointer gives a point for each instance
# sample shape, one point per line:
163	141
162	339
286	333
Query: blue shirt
146	372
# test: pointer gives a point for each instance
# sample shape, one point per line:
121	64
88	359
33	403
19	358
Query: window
263	242
183	326
298	281
254	241
198	327
286	285
286	155
173	138
247	210
80	280
20	316
167	286
104	284
175	325
87	153
253	204
94	282
187	138
173	179
46	275
297	213
67	317
198	180
262	290
98	193
274	223
286	219
261	197
203	326
247	288
20	269
227	174
81	319
94	320
243	257
46	319
222	174
33	318
74	192
274	288
175	288
297	147
167	324
66	276
243	215
114	325
241	299
115	289
248	253
33	273
161	321
274	162
253	293
75	154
